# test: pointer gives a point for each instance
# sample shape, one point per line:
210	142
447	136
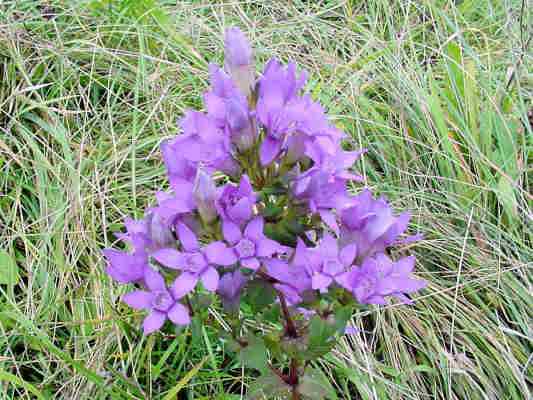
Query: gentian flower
306	174
205	194
238	57
124	267
147	234
175	205
277	107
379	277
292	279
322	192
252	246
235	203
179	169
202	142
327	263
195	262
162	303
229	289
229	109
371	224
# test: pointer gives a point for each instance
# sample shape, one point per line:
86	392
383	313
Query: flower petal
124	267
210	279
187	237
328	246
179	314
153	322
241	211
329	219
154	280
218	253
231	232
266	247
254	229
347	254
321	281
170	258
251	263
269	150
138	299
183	285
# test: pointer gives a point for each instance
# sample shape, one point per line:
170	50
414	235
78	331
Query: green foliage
268	386
254	354
315	386
259	295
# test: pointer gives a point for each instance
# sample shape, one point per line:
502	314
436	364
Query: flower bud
229	289
242	131
160	233
205	193
239	60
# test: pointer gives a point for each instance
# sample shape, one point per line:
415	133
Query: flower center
232	199
333	267
245	248
162	301
195	262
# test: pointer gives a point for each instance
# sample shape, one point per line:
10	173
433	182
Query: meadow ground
438	91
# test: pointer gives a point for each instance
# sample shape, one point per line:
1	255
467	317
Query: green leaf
9	273
315	386
273	343
342	316
321	338
268	386
259	294
254	355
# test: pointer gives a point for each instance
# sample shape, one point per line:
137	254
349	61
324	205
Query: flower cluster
259	191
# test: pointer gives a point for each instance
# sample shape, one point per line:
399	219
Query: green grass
438	91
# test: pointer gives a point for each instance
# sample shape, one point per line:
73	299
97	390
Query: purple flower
327	263
147	234
235	203
205	194
310	128
124	267
195	262
162	303
322	192
172	206
278	109
179	169
160	234
229	289
252	246
239	123
239	59
202	142
292	279
371	224
228	108
379	277
137	233
334	160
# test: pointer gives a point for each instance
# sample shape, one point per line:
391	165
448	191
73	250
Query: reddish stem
293	379
290	328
